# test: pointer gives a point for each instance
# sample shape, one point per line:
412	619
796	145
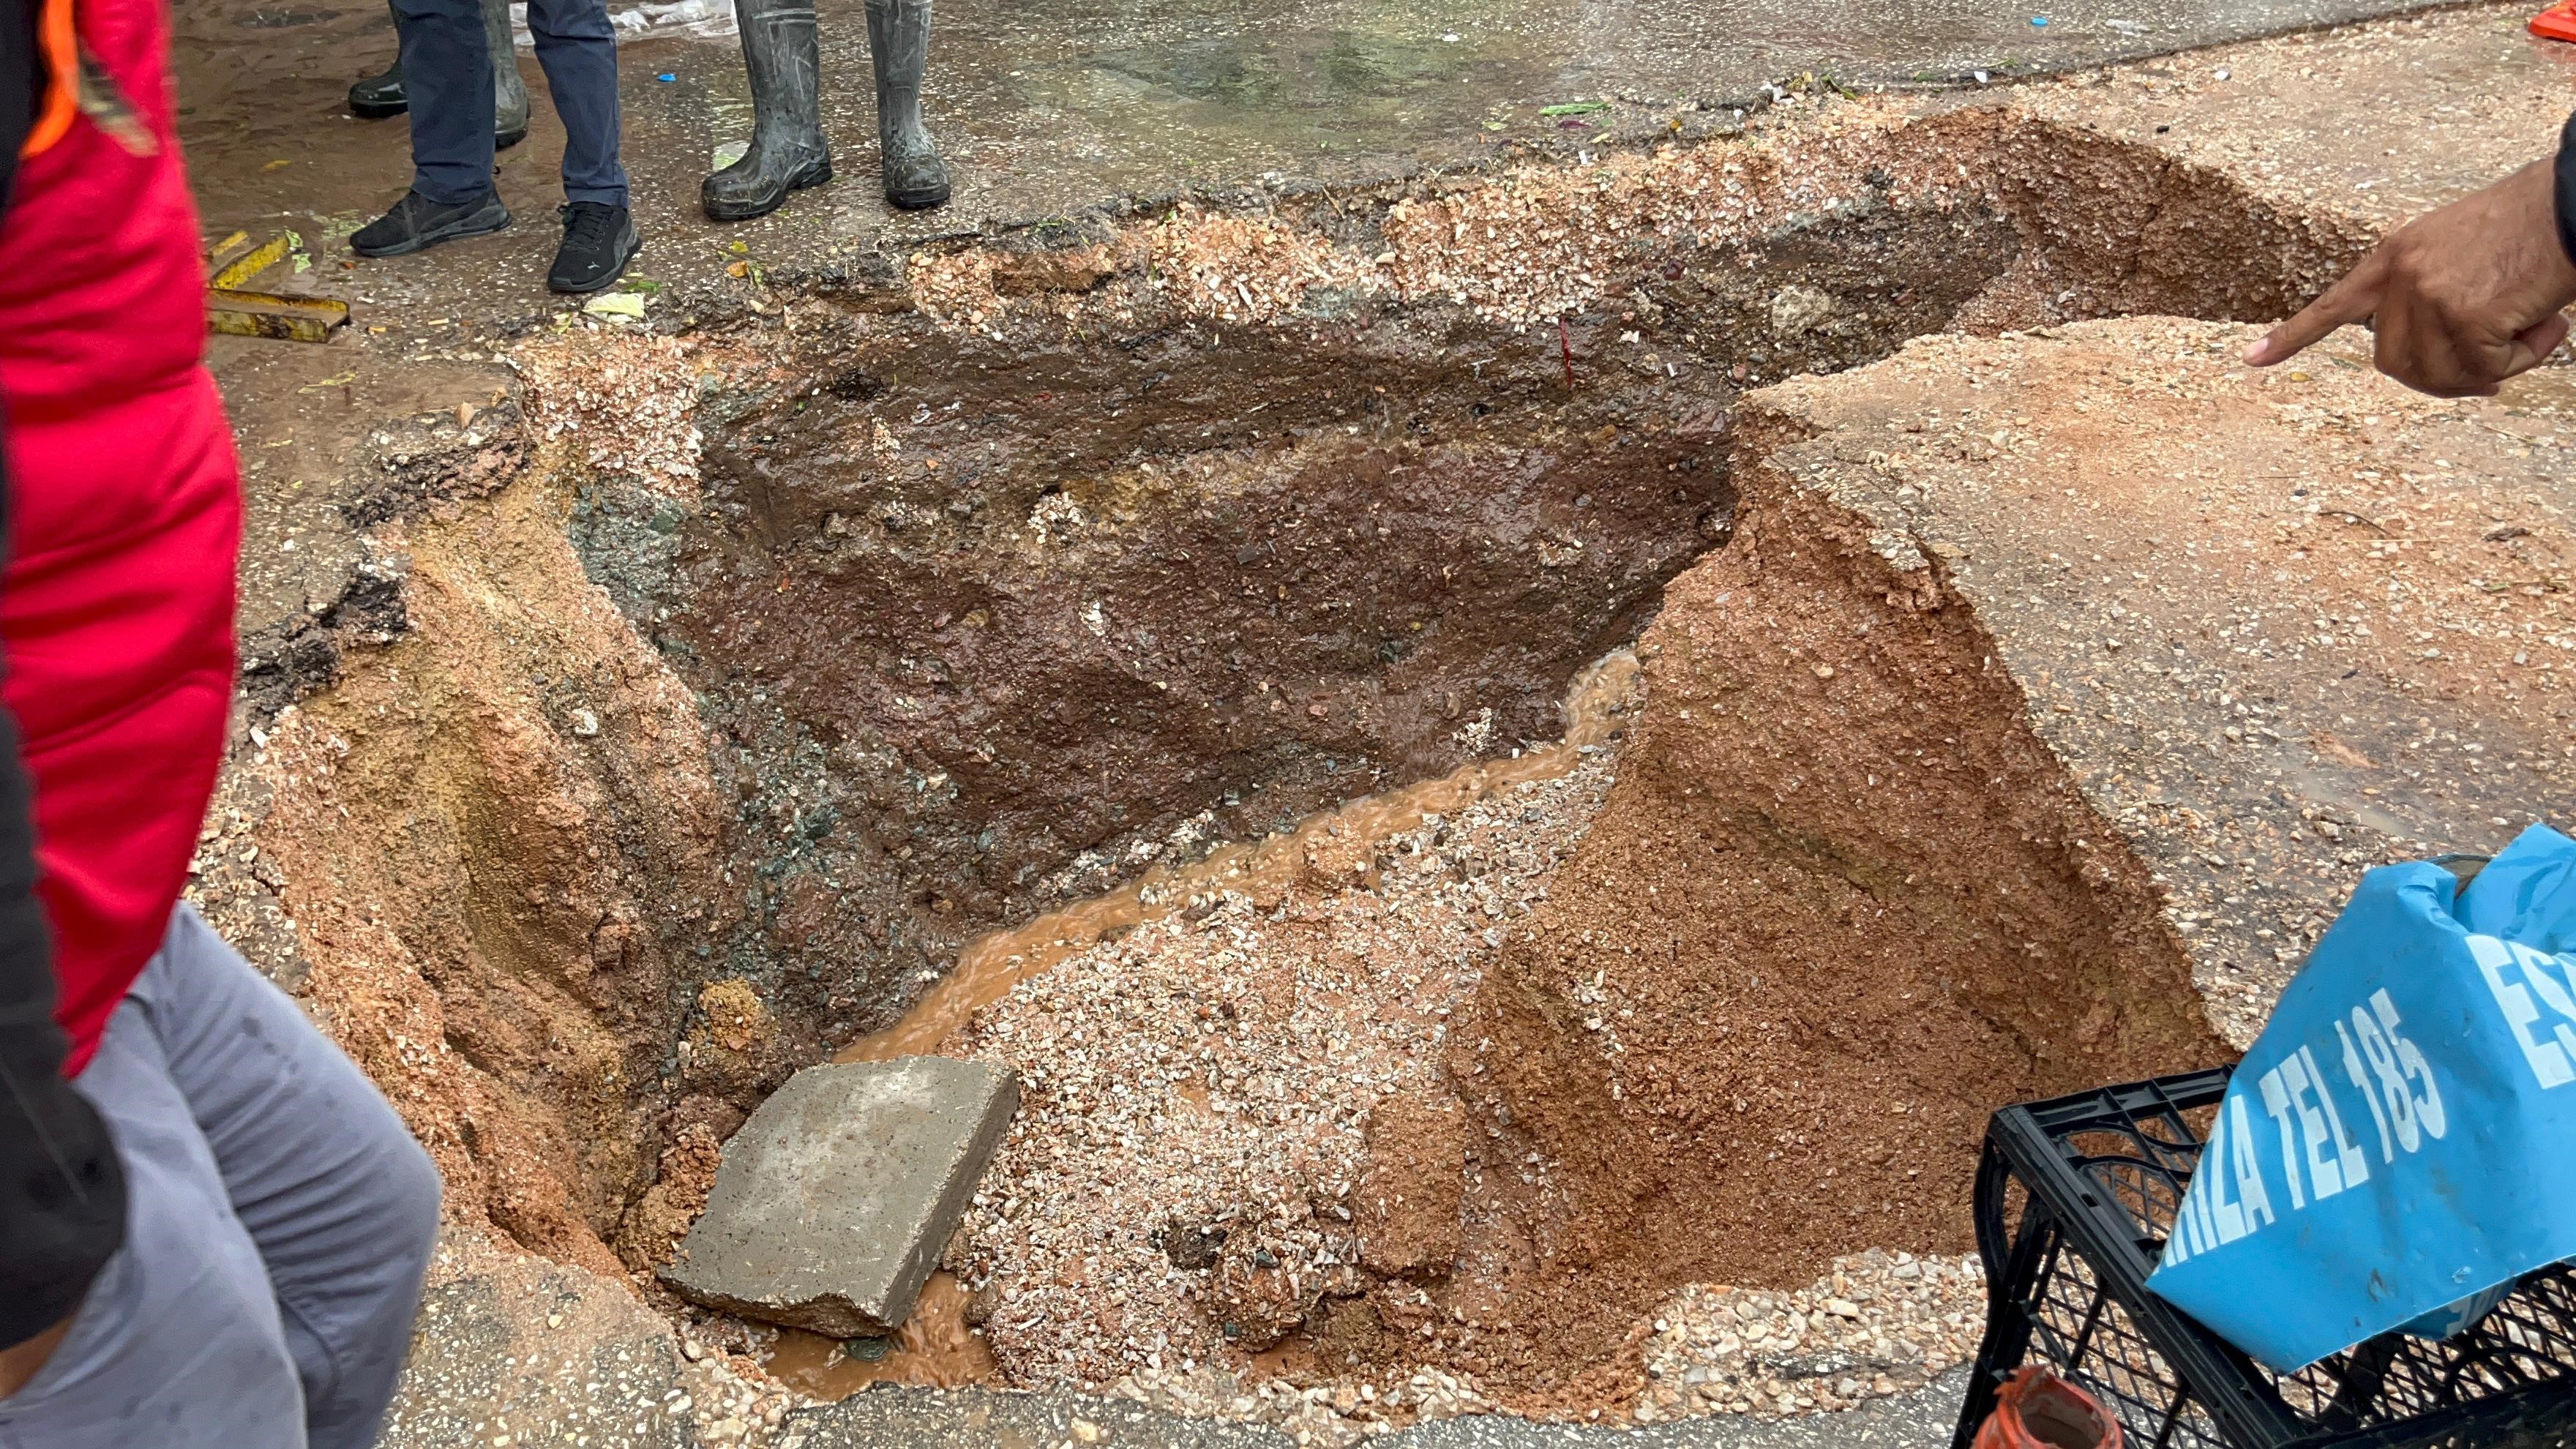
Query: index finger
2353	299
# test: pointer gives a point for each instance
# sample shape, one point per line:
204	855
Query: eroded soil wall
1841	905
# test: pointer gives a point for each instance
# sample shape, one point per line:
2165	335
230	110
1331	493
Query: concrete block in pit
832	1203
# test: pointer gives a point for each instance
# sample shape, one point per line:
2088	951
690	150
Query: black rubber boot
380	96
417	223
787	147
899	43
509	89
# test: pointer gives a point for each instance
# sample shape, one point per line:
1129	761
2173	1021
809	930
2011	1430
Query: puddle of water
934	1347
1292	91
992	964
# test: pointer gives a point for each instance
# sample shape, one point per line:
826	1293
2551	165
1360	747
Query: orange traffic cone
2039	1410
2558	22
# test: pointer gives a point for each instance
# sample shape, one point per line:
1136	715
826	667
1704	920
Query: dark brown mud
987	626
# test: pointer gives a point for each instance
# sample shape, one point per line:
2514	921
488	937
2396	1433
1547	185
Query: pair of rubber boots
788	152
379	96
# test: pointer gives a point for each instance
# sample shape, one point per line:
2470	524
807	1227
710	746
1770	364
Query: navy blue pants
447	73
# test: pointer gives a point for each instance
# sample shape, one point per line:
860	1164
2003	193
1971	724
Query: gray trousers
281	1218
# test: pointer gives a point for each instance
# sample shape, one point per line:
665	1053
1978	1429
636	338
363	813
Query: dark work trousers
447	73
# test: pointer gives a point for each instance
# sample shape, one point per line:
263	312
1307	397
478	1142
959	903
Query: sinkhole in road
1047	569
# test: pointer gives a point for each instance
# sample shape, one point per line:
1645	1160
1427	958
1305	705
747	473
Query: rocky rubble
1880	1324
1328	1416
1180	1187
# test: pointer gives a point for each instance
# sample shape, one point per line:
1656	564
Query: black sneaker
417	223
598	243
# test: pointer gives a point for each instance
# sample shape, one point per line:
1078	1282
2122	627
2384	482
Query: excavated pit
935	594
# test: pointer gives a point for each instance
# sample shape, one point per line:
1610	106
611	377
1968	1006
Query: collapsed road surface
635	714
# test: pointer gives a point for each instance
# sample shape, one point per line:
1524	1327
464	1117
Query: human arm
2464	296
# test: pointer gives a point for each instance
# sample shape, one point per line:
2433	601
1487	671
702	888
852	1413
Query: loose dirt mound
1235	1133
1840	906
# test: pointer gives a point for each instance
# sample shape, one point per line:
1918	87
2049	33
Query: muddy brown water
989	968
935	1346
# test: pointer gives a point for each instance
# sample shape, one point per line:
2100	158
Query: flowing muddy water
988	969
937	1346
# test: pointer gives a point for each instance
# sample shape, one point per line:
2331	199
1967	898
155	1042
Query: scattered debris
1879	1324
241	311
1200	1092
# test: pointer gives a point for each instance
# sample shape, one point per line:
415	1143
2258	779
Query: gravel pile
1181	1184
1326	1416
629	404
1880	1324
731	1396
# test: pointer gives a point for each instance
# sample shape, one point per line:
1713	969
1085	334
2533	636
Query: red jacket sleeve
62	1193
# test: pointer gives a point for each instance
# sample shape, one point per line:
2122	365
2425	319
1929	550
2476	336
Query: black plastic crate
2074	1198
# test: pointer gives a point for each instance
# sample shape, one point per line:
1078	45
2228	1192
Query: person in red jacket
213	1229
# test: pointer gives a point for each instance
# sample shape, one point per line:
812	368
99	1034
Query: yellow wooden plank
267	314
257	260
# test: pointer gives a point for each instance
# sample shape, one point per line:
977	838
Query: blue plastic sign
2401	1141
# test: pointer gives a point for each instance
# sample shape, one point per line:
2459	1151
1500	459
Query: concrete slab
832	1203
2278	627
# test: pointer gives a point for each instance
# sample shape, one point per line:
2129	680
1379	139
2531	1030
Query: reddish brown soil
1410	1193
1840	907
498	847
